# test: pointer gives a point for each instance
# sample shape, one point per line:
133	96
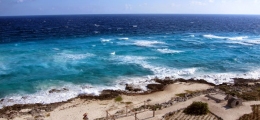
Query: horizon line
128	14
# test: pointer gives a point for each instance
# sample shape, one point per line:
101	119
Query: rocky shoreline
10	112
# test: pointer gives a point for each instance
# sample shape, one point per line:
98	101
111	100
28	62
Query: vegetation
250	95
255	115
118	99
154	107
181	94
186	91
197	108
245	92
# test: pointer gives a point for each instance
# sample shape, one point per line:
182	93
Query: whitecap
146	43
159	71
125	38
70	56
57	49
113	53
96	25
192	36
167	51
105	40
210	36
252	41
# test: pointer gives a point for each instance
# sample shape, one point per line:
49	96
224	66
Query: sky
61	7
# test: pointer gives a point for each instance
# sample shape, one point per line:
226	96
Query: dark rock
57	90
165	81
156	87
131	87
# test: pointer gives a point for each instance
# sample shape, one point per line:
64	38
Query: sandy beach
97	108
74	109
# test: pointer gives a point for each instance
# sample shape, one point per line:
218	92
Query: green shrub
181	94
197	108
118	99
250	96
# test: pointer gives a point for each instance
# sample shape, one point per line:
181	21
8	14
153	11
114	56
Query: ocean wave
146	43
46	97
218	78
168	51
240	43
253	41
242	40
210	36
72	90
70	56
159	71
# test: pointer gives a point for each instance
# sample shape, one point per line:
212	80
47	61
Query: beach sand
75	109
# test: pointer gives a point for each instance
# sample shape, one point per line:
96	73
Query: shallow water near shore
89	53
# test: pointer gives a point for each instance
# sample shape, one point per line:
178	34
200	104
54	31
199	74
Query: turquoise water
107	56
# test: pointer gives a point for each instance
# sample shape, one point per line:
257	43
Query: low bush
118	99
197	108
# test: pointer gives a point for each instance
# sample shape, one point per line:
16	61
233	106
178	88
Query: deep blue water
88	53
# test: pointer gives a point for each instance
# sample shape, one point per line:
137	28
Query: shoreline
67	91
106	95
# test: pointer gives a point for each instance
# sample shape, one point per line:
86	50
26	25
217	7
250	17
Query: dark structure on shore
234	102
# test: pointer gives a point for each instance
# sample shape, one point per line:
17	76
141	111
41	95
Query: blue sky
54	7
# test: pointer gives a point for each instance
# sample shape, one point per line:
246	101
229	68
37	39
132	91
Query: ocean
86	54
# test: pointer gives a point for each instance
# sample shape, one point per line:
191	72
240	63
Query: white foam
44	97
123	38
237	38
96	25
218	78
105	40
210	36
57	49
240	42
134	25
168	51
146	43
252	41
213	37
70	56
159	71
113	53
192	36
